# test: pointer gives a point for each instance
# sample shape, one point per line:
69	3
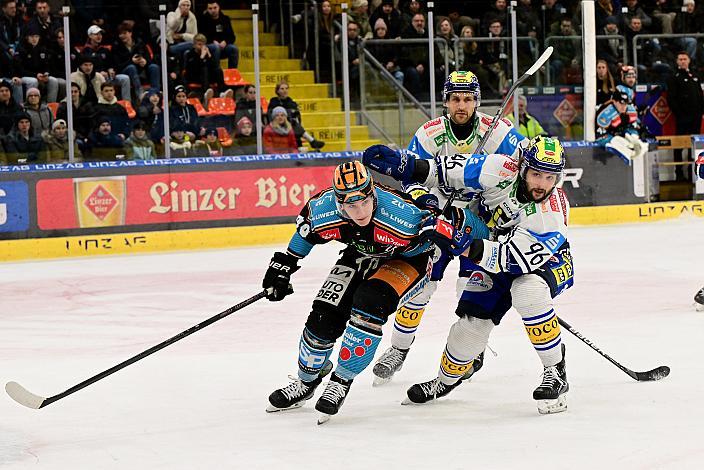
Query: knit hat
33	29
101	120
33	91
380	23
611	20
244	120
359	3
6	84
139	125
279	110
211	131
57	123
22	116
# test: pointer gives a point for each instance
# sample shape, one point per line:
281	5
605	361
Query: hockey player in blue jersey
525	263
458	131
390	242
618	126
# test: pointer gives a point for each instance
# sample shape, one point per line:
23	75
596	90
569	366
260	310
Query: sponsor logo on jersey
332	234
478	281
384	237
432	123
700	158
486	120
511	165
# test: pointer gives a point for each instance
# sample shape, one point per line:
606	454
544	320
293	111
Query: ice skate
295	394
332	398
698	301
388	364
428	391
551	394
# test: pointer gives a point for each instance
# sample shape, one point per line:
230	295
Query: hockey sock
359	343
313	352
467	339
408	317
531	297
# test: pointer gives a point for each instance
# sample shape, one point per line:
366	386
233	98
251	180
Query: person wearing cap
181	28
183	113
41	116
245	141
618	126
180	142
151	113
56	142
21	146
103	61
610	50
210	146
390	16
87	79
278	134
103	144
9	108
138	145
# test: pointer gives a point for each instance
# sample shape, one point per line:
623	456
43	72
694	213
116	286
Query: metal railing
639	37
552	40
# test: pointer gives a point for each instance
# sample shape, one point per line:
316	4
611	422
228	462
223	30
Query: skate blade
323	418
698	307
546	407
379	381
274	409
408	401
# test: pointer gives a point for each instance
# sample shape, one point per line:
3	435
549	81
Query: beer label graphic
100	202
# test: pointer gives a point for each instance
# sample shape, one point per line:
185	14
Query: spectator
245	141
610	50
88	80
496	56
181	28
180	142
664	12
412	9
43	21
447	53
151	113
9	108
293	114
32	62
387	54
184	115
567	54
602	10
200	68
648	50
326	32
686	100
618	126
605	84
10	29
633	9
217	28
103	61
528	127
21	146
278	134
391	17
211	146
83	112
527	20
359	14
689	21
104	145
414	58
458	20
38	112
134	60
57	63
497	12
247	105
56	142
108	106
473	56
353	47
139	146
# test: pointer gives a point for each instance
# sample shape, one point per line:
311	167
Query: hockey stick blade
23	396
651	375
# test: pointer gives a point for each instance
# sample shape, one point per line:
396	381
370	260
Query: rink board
227	237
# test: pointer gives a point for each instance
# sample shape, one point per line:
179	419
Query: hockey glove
398	164
455	233
278	276
429	202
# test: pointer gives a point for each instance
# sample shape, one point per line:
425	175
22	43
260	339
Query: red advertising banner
176	197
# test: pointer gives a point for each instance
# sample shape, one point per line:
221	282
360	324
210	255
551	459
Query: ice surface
199	404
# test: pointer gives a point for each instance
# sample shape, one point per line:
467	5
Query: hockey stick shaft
22	396
495	121
655	374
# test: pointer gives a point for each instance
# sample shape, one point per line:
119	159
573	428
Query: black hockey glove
278	276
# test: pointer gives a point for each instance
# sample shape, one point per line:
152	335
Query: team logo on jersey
479	281
332	234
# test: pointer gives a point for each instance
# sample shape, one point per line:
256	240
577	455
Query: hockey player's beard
536	195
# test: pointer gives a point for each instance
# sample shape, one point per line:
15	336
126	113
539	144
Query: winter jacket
181	148
57	150
8	115
276	143
173	25
216	30
89	94
104	147
20	150
41	118
119	120
140	149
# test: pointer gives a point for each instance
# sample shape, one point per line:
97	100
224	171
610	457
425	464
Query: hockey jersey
610	123
524	235
393	230
435	137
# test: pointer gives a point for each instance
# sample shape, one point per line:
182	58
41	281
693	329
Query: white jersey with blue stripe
524	234
435	138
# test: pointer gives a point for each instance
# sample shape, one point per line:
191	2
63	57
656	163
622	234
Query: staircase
321	115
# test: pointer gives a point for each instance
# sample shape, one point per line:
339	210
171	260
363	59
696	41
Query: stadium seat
265	105
131	113
200	109
54	107
234	78
221	106
224	137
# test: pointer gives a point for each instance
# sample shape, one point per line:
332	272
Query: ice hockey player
390	242
526	262
618	126
458	131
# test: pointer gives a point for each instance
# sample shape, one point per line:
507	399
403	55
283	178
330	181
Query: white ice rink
199	404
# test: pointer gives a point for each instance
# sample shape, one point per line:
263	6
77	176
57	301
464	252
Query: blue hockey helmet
462	82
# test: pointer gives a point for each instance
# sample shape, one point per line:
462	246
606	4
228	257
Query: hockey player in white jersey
459	131
526	262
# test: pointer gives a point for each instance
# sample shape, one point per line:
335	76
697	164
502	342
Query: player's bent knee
375	299
325	322
530	293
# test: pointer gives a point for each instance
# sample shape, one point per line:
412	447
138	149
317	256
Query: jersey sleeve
306	237
475	172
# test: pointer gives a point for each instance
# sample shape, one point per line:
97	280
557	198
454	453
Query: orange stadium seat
200	109
131	113
265	105
54	107
221	106
224	137
234	78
